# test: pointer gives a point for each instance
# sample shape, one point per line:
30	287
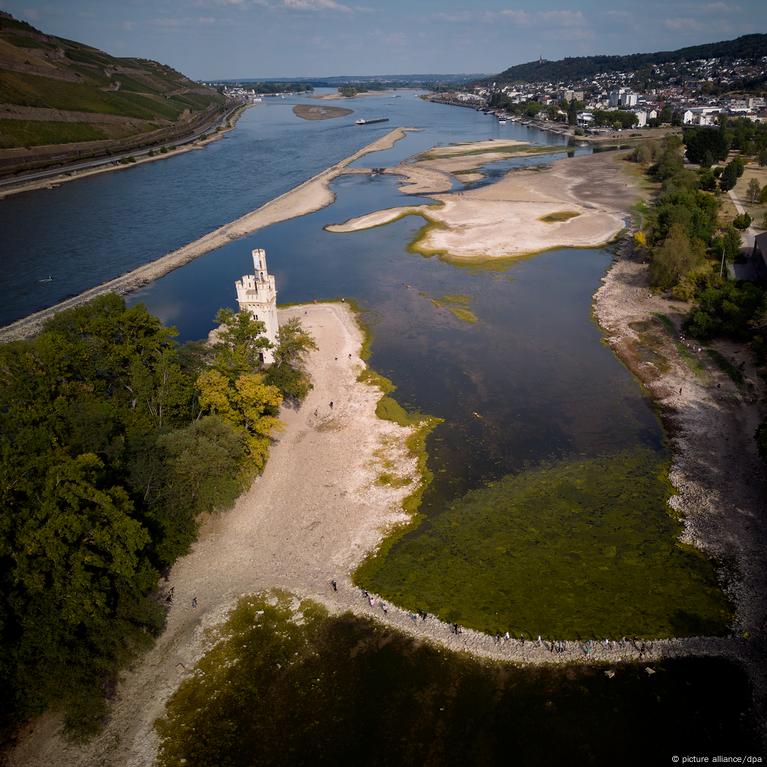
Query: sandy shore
508	218
282	532
65	176
311	195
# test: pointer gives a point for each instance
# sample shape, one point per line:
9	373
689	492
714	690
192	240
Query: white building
257	294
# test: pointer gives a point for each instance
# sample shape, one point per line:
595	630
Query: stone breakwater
528	650
307	197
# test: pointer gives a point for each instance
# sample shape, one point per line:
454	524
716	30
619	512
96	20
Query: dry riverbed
579	202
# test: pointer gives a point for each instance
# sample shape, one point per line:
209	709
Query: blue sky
260	38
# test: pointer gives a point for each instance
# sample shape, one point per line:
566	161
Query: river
529	393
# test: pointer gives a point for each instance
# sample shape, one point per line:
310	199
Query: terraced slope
60	100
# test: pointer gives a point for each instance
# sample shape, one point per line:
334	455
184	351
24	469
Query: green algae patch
559	215
286	683
575	549
457	305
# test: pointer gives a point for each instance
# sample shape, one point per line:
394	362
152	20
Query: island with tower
257	294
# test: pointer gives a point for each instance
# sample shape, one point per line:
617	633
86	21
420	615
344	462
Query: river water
529	384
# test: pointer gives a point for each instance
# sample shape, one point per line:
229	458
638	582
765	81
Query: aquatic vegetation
457	305
583	548
285	683
559	215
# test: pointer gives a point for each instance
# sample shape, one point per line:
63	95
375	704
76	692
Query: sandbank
504	219
307	197
314	112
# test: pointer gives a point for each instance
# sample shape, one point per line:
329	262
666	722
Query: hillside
59	97
576	68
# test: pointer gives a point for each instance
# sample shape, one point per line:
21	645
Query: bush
677	255
742	221
728	309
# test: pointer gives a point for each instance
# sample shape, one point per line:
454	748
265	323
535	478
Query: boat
362	121
49	278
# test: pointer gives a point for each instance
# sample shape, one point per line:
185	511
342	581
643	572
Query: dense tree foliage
113	440
580	67
727	309
705	145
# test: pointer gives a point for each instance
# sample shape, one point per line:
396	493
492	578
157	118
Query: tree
572	113
204	472
674	258
705	145
729	177
293	342
762	156
742	221
754	191
246	402
239	343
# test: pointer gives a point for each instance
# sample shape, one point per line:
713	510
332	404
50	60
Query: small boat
46	279
362	121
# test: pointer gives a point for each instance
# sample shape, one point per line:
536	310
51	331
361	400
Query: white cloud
315	5
720	8
545	18
683	24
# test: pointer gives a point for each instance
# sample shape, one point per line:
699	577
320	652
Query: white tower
257	294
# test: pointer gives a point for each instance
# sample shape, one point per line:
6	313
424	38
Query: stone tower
257	294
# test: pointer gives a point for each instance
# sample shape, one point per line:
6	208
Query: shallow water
348	691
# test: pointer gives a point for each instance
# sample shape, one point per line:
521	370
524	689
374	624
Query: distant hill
580	67
57	92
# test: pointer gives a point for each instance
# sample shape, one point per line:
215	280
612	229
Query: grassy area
560	215
576	549
287	683
16	133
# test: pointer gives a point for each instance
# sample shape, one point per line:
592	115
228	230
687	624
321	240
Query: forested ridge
578	67
114	440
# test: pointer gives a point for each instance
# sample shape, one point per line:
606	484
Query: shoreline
280	533
307	197
299	536
66	176
710	421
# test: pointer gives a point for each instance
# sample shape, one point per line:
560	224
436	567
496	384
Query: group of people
553	646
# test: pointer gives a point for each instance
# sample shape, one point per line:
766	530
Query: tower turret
257	294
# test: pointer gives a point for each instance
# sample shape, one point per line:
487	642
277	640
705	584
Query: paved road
111	159
747	237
